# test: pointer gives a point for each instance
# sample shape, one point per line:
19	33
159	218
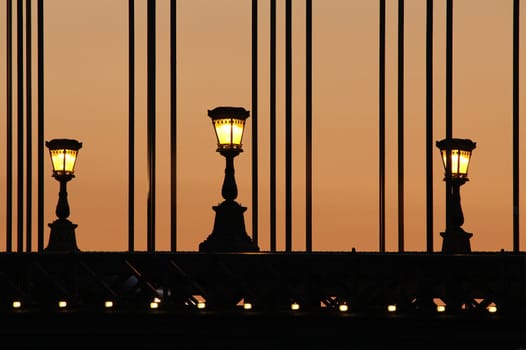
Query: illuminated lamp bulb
343	307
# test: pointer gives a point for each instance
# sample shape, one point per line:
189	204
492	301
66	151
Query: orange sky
86	55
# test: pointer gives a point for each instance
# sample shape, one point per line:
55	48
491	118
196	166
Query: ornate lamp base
456	241
62	236
229	234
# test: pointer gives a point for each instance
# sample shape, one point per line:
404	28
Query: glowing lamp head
456	152
229	124
63	154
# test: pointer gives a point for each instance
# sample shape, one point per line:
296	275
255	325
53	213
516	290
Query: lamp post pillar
229	189
62	209
229	233
62	235
63	154
456	154
454	216
455	239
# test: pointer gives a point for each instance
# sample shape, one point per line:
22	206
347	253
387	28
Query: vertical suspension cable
151	99
516	135
255	200
381	127
131	125
449	69
29	136
400	125
288	125
308	126
449	97
429	125
20	126
272	113
40	117
173	125
9	125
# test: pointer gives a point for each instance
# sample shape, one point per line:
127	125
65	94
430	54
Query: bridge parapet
319	282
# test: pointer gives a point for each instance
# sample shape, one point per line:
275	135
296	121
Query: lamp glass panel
229	131
237	131
463	162
459	161
63	160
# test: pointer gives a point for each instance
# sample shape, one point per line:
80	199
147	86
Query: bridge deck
201	299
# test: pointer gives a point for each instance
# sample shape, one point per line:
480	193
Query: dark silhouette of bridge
238	300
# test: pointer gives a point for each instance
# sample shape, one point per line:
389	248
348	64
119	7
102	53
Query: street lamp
456	154
229	234
63	154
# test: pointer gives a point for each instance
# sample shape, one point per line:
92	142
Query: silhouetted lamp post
229	234
63	154
456	154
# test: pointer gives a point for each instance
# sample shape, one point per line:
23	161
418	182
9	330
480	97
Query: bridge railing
358	283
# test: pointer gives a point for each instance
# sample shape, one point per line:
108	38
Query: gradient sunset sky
86	98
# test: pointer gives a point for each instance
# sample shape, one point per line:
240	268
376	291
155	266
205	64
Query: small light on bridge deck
391	308
108	304
155	303
62	304
197	300
294	306
492	309
17	304
440	305
343	307
245	304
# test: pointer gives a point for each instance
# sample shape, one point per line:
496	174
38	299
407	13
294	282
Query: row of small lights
390	308
341	307
155	303
62	304
108	304
440	308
